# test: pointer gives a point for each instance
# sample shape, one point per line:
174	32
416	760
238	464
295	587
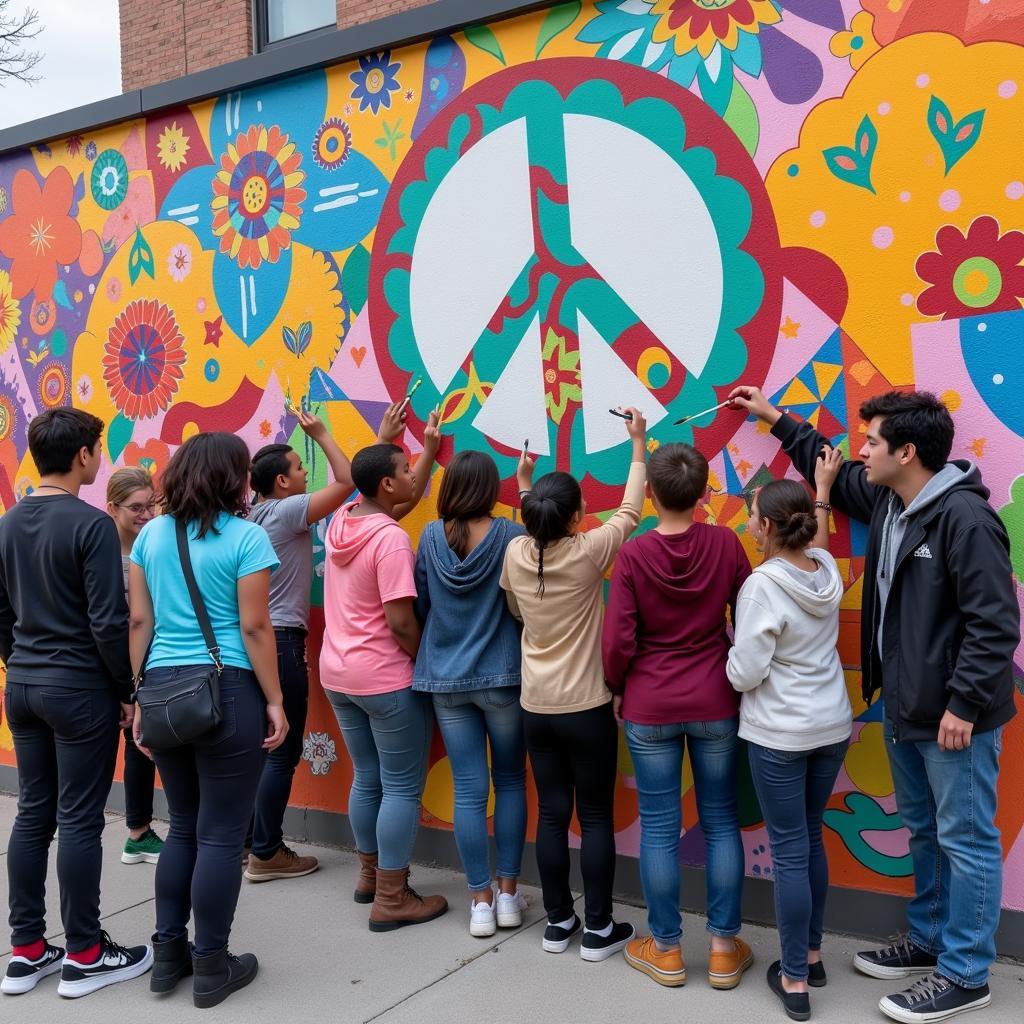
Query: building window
279	21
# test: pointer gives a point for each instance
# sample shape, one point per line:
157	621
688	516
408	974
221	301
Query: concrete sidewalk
319	963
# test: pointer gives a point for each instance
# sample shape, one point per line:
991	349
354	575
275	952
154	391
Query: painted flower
319	752
90	151
73	144
257	198
858	43
39	235
113	288
52	385
109	179
561	376
979	272
375	81
708	40
153	455
137	209
172	148
179	262
332	144
10	312
142	359
84	388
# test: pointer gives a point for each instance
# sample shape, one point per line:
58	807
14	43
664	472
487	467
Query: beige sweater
562	670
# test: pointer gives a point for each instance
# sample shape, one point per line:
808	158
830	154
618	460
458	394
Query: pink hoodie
369	561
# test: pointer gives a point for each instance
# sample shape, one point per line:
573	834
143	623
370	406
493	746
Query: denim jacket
470	640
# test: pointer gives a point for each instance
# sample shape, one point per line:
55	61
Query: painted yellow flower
858	43
10	312
172	147
703	24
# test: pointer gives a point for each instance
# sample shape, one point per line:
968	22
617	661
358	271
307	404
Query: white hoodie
784	660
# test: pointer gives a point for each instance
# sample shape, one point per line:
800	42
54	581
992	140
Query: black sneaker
599	947
816	976
23	974
115	963
556	939
900	960
796	1004
933	998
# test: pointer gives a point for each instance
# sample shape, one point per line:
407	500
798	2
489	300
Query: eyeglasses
137	509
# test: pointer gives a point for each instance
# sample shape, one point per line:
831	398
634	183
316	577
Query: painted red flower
142	359
40	235
979	272
153	455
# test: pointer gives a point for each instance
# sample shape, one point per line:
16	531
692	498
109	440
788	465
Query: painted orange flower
257	198
153	455
702	24
142	359
40	235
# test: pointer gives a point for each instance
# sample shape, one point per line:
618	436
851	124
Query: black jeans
210	786
574	759
266	832
139	778
65	743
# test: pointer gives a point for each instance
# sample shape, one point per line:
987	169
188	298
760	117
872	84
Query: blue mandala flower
375	81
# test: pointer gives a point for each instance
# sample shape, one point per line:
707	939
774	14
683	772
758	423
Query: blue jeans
210	785
469	720
947	799
657	752
793	787
388	739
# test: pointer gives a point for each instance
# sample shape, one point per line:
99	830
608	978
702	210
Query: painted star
214	329
978	447
790	328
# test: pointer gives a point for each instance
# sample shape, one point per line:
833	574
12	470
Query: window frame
261	28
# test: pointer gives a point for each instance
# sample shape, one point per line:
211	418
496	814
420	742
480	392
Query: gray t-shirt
284	519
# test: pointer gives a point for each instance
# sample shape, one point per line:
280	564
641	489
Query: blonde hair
125	482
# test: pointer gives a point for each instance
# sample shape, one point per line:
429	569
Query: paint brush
697	415
628	416
408	397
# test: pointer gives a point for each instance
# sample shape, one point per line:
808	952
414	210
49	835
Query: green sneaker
144	849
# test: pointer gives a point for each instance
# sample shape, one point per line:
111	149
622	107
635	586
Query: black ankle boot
220	974
172	961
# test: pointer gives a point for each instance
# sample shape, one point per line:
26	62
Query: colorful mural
627	201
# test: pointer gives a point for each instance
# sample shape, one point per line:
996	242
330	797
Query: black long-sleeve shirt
63	615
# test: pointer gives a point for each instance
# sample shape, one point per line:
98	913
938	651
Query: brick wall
164	39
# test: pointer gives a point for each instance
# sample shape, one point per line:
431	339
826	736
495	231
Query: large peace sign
568	236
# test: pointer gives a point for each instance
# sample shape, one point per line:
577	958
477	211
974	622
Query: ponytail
787	505
547	514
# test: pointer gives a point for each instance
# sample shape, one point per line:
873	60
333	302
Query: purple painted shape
827	13
793	73
444	75
692	850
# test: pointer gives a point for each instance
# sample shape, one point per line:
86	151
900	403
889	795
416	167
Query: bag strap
198	605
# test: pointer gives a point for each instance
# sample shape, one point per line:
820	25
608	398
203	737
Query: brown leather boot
396	904
366	884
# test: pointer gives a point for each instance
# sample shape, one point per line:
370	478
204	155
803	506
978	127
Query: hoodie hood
348	534
461	576
797	585
678	563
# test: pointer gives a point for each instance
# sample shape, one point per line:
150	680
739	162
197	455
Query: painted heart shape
358	354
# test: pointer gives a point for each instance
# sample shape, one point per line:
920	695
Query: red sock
86	956
31	951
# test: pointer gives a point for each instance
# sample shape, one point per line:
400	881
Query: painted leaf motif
557	21
955	138
484	39
852	164
290	341
355	277
140	259
304	337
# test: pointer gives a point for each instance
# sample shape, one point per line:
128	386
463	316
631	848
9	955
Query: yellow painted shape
798	393
826	374
867	763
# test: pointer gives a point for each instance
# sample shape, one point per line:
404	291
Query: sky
81	47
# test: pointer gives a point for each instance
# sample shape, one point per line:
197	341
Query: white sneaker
510	909
481	919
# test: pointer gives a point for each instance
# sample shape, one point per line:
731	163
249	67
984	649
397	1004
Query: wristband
823	504
522	494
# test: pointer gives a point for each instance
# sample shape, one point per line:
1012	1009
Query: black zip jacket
63	616
951	620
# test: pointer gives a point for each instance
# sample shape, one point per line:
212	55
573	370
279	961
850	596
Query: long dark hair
469	490
207	475
787	506
547	513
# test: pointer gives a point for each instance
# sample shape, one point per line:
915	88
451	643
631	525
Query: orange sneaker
664	968
725	970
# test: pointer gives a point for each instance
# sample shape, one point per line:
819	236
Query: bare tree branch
17	62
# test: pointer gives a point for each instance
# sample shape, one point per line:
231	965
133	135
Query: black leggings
210	786
139	776
574	760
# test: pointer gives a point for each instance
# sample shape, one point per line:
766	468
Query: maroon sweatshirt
665	643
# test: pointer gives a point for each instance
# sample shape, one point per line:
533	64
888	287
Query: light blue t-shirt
219	561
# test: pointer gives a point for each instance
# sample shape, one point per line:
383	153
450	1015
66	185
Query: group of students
495	629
